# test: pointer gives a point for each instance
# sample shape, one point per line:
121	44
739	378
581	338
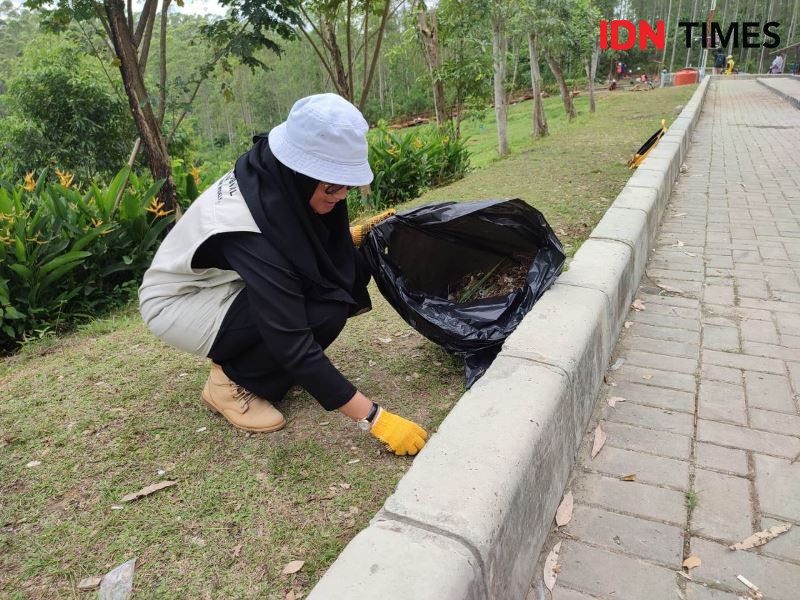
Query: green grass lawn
109	410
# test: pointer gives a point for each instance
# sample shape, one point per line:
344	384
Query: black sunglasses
332	188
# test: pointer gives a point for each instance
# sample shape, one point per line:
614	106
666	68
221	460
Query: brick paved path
710	425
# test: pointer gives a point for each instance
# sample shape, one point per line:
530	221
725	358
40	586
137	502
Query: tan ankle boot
242	408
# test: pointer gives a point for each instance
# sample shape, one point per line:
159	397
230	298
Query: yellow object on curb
359	232
651	143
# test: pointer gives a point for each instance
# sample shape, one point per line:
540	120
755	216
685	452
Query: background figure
729	65
719	61
777	66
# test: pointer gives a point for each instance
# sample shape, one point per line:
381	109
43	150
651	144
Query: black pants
244	358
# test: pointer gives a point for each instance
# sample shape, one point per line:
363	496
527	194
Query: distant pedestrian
729	65
619	70
777	66
719	61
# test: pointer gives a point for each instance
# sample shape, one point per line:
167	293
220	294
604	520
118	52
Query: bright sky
197	7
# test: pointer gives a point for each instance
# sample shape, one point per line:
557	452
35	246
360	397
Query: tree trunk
499	51
675	37
792	24
666	30
341	84
539	120
730	43
591	71
146	122
694	19
764	48
426	20
375	54
569	107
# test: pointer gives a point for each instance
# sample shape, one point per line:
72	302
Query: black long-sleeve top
278	304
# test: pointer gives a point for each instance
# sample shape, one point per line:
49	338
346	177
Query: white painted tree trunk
499	51
539	119
591	71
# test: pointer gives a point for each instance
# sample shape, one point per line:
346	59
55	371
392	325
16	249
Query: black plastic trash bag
416	257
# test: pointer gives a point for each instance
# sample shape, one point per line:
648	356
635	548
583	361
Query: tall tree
247	28
539	119
429	32
323	21
499	16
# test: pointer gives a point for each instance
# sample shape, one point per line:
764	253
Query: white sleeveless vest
182	306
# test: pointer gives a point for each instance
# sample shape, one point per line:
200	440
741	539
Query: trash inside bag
450	270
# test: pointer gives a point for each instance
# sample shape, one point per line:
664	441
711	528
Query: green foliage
68	254
405	163
62	112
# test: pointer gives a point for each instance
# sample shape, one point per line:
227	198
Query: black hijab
319	246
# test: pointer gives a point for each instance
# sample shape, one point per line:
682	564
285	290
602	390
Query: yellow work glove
401	435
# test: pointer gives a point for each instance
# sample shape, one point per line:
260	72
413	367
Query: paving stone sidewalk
710	425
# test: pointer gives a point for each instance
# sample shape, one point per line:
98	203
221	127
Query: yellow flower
445	140
65	178
30	182
195	172
96	222
417	143
393	151
157	208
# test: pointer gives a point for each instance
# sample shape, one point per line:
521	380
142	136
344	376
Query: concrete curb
765	81
469	518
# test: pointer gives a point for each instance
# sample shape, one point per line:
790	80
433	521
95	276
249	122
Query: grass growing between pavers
107	409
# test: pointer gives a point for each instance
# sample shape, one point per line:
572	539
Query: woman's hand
401	435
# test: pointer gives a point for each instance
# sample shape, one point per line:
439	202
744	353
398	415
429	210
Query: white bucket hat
324	137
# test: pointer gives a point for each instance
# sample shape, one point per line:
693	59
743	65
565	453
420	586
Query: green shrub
68	255
405	163
59	110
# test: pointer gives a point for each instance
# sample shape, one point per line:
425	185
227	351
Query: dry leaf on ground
564	512
551	567
760	538
90	583
647	376
680	214
638	305
669	288
690	254
692	562
117	584
628	324
293	567
34	463
237	550
753	587
617	364
680	244
612	400
631	477
599	440
146	491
